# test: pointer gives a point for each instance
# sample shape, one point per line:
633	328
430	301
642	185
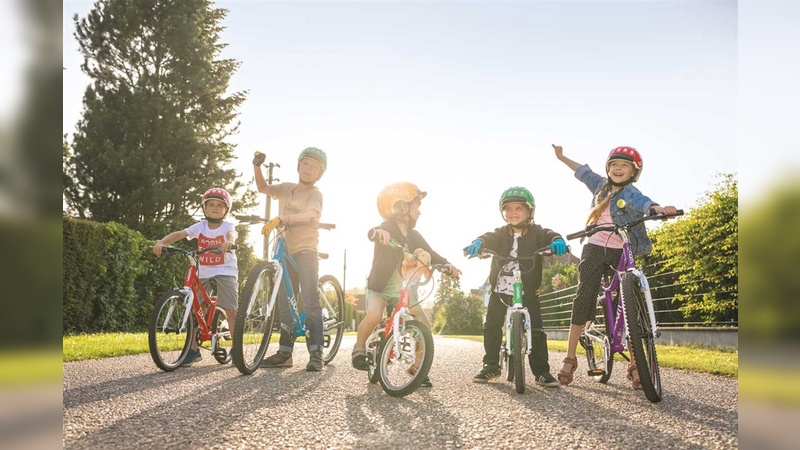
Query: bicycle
255	317
630	321
172	325
518	336
399	350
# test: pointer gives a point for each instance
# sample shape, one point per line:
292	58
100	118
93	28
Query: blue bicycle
255	317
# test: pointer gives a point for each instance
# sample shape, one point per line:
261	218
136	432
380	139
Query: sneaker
315	364
546	379
192	357
426	383
279	359
487	374
360	362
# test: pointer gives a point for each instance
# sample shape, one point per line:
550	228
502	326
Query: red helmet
629	154
218	194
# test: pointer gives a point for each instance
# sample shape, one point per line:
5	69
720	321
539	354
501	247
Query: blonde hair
601	202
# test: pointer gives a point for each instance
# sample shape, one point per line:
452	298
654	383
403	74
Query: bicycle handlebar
486	252
258	219
216	250
593	228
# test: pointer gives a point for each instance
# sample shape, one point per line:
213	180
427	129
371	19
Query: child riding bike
615	200
398	204
520	237
221	268
299	203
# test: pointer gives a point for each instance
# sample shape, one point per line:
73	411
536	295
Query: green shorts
391	293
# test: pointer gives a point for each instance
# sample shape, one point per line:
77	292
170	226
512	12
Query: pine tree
152	137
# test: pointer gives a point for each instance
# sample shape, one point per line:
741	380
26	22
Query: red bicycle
173	326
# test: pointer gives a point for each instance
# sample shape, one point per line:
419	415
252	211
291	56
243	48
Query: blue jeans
306	278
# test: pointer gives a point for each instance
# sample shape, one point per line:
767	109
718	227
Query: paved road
126	402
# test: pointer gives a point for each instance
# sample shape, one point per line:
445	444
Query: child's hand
259	158
271	225
452	271
381	236
157	248
559	150
558	246
226	246
474	248
666	210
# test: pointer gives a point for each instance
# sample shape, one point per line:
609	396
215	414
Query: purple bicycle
631	321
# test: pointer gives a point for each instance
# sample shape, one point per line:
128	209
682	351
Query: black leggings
595	260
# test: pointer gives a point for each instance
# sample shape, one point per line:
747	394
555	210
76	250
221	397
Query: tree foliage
702	250
455	312
152	137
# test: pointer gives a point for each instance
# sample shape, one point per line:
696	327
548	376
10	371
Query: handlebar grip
679	212
575	235
371	234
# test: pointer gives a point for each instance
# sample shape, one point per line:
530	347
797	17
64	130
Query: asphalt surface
127	402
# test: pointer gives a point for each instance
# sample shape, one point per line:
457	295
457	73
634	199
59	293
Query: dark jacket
502	239
387	259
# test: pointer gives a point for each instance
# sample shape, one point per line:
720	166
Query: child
519	237
398	204
616	200
299	203
222	268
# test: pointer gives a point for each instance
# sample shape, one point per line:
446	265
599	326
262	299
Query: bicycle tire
223	350
332	304
642	341
599	356
397	376
519	338
253	332
168	344
510	369
373	355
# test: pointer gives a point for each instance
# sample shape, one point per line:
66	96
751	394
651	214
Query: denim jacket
635	205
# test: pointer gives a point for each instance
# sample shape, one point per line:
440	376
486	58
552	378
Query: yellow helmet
397	192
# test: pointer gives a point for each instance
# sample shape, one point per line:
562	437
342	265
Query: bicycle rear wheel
253	329
220	326
168	339
399	376
520	342
597	344
643	347
331	299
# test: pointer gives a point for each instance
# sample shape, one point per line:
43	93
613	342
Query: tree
454	312
152	137
702	248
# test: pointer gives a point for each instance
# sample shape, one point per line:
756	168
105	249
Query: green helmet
517	194
315	153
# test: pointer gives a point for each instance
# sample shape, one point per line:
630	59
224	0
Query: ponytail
601	202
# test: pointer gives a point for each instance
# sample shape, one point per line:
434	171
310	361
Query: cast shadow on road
377	419
181	416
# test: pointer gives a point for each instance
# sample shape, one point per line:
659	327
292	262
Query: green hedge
112	279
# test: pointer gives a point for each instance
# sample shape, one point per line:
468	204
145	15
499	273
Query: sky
465	100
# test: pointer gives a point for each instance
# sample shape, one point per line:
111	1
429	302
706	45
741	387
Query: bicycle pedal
595	372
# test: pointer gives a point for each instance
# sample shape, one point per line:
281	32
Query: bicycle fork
526	325
644	285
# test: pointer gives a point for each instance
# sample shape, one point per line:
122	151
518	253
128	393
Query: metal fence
557	305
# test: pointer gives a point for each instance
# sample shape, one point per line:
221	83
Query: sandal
565	378
637	383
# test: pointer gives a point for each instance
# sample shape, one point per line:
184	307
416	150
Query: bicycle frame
618	326
191	288
516	306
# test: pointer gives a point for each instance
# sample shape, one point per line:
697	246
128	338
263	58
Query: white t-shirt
212	264
505	282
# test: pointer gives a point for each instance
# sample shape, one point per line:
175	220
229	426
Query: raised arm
261	182
560	155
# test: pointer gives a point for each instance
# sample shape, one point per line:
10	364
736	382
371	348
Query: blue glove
474	248
558	246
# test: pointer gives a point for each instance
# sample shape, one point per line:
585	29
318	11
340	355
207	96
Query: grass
717	362
781	388
94	346
30	367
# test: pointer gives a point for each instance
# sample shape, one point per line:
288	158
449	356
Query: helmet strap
210	220
620	185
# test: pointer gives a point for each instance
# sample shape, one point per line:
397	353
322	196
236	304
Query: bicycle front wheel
643	346
596	342
168	337
253	329
401	374
373	355
331	299
520	341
